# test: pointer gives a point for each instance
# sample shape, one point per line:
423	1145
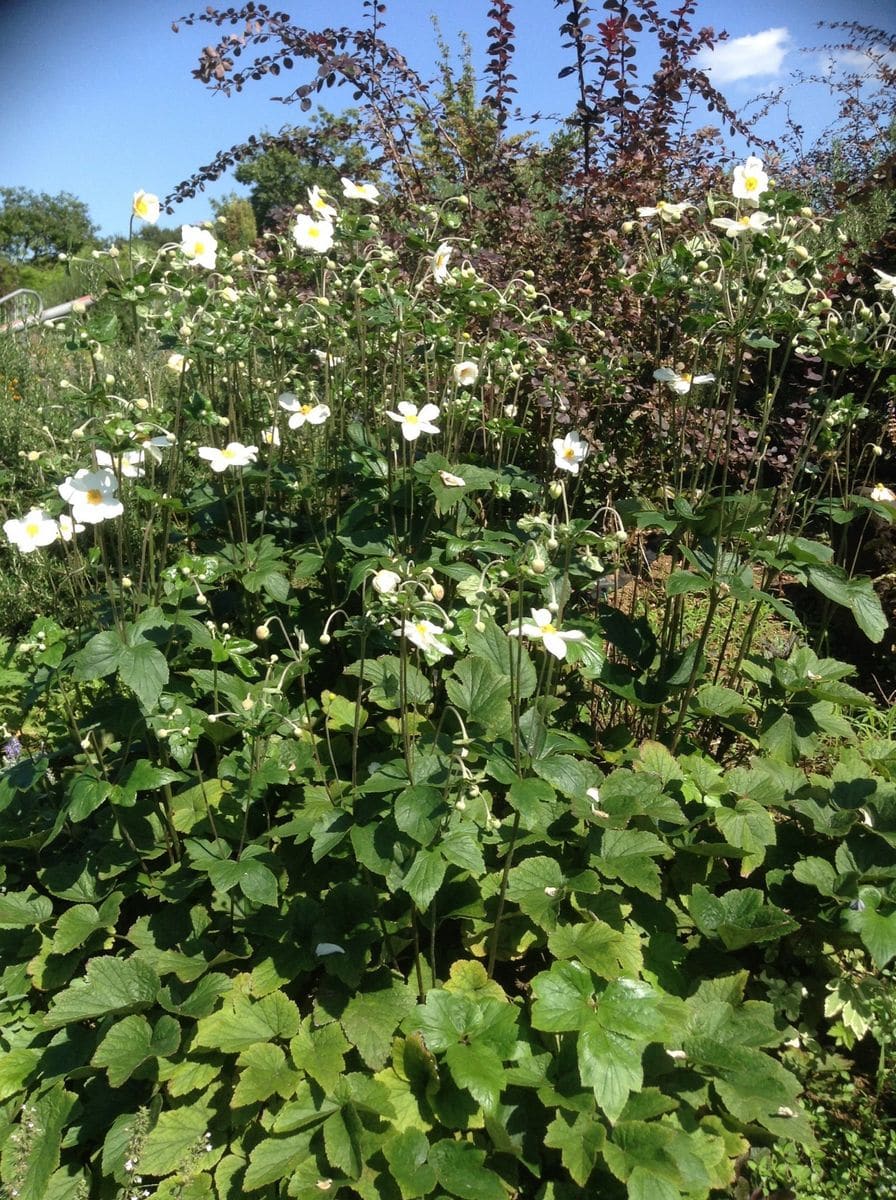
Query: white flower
234	454
544	628
440	262
177	363
153	446
569	452
754	223
68	528
412	422
887	282
318	203
750	180
271	436
385	582
309	234
683	383
450	480
360	191
230	294
200	248
665	211
327	360
593	795
466	373
128	464
425	635
91	495
34	530
146	206
312	414
882	495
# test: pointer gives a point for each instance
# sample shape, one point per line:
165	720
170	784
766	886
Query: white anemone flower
440	262
360	191
682	383
31	532
750	180
882	494
128	464
450	480
200	248
234	454
887	282
665	210
542	628
146	206
153	445
310	414
414	422
91	495
425	635
178	363
318	203
570	452
67	527
309	234
754	223
465	373
385	581
271	436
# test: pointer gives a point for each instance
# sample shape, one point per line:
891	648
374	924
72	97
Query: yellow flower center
313	231
548	628
228	454
686	378
412	419
94	496
744	220
421	628
751	182
569	454
32	529
198	249
306	409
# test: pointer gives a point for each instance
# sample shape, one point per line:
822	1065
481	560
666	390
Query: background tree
236	226
283	168
36	227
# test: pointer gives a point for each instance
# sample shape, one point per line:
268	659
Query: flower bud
438	593
262	633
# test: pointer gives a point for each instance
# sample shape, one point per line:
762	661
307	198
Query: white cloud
744	57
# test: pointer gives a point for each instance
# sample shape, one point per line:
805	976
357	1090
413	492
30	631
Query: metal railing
22	300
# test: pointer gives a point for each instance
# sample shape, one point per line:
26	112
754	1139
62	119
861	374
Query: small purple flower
12	751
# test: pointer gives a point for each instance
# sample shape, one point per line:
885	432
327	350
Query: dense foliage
428	771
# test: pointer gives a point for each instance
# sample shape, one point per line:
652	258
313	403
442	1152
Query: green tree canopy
319	153
36	227
235	221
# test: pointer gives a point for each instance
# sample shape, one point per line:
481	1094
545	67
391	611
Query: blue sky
97	97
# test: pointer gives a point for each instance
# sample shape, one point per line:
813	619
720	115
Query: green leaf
87	793
406	1155
24	908
477	1069
858	595
481	691
274	1158
568	775
371	1019
240	1023
264	1073
878	933
604	950
610	1064
460	847
258	883
579	1139
100	657
79	923
320	1052
419	811
424	878
535	885
563	998
48	1115
627	854
169	1143
144	669
536	802
111	985
460	1169
15	1067
342	1141
738	918
132	1042
506	654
